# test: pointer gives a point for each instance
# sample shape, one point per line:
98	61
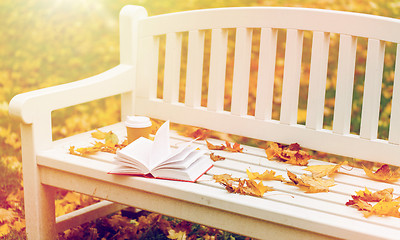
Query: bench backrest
177	54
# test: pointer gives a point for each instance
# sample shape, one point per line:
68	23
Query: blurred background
49	42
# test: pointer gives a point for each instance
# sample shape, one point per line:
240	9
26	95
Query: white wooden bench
292	215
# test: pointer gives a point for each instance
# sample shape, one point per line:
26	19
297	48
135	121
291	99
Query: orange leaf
214	147
384	173
200	134
382	195
216	157
235	148
291	154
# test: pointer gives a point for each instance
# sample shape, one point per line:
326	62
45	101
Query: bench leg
38	198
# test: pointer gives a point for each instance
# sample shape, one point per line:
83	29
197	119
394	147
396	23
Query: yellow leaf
384	173
324	170
267	175
181	235
4	229
99	134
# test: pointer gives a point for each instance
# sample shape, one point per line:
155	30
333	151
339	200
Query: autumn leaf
227	147
291	154
311	184
385	206
216	158
324	170
267	175
384	173
200	134
382	195
222	178
233	148
214	147
109	145
181	235
242	186
98	134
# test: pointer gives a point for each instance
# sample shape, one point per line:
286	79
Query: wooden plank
394	129
147	70
86	214
266	73
291	76
372	89
344	84
194	68
216	82
370	150
317	83
173	48
241	71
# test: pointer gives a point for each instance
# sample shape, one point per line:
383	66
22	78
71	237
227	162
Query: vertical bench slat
291	76
317	82
173	47
194	68
216	82
266	73
394	128
241	71
344	84
147	71
372	89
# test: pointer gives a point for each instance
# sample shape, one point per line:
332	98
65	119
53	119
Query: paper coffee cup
137	126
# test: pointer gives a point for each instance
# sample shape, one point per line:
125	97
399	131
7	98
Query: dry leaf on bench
233	148
324	170
311	184
384	173
291	154
216	158
267	175
386	206
244	187
214	147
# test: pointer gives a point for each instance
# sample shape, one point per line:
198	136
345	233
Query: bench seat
282	212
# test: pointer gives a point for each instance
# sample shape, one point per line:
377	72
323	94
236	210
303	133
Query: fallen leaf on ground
311	184
291	154
324	170
216	158
384	173
265	176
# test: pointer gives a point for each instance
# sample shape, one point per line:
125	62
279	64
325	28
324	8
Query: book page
138	151
161	148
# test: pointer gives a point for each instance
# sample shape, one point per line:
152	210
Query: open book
156	159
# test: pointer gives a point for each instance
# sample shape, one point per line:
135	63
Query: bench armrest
115	81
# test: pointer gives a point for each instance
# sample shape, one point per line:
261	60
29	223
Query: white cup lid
137	122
